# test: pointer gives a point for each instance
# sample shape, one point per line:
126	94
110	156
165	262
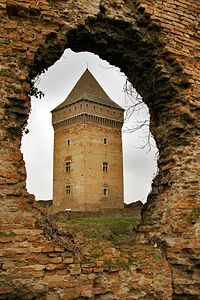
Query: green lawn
114	229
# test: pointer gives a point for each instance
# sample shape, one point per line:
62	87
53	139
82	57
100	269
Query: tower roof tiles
88	88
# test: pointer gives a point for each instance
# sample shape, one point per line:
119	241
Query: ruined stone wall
34	267
156	44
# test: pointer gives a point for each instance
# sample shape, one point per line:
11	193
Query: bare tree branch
135	105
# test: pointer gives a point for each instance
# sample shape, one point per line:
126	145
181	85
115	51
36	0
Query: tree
134	105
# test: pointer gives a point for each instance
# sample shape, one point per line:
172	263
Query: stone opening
56	83
139	51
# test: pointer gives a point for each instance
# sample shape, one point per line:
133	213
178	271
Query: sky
37	146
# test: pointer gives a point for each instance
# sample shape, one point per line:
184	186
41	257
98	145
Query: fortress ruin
156	44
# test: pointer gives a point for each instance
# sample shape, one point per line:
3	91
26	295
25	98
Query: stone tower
88	167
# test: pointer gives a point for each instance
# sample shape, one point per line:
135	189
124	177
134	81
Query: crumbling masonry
156	44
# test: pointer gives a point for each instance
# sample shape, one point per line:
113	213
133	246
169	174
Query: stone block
53	278
75	271
55	260
59	249
47	249
6	239
68	260
86	270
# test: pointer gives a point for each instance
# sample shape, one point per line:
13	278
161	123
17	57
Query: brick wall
156	44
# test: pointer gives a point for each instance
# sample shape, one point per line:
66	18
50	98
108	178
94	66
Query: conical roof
88	88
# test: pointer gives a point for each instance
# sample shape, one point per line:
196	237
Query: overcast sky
37	145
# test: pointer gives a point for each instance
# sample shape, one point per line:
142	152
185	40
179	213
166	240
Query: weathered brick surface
93	269
87	155
156	43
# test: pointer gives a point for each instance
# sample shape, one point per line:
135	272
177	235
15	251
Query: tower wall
97	180
86	152
84	106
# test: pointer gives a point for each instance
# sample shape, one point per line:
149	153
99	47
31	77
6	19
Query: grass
113	229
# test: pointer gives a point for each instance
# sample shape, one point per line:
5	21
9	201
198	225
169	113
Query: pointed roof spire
88	88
